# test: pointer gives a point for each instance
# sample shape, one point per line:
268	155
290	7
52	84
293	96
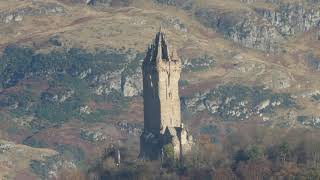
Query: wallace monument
161	70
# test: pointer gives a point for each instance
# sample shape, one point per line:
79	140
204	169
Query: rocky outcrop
85	110
184	4
243	27
130	128
292	18
131	85
200	63
127	80
313	61
175	23
309	121
109	2
38	10
261	28
92	136
60	96
307	94
108	82
237	102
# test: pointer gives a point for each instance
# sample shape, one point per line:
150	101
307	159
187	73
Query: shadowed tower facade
162	115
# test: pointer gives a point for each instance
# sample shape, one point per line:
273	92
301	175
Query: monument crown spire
162	113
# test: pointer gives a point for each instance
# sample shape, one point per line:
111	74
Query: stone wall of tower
161	74
162	114
151	98
169	75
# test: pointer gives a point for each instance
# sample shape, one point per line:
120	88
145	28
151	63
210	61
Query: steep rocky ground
71	77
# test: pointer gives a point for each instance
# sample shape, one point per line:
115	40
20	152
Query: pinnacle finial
160	28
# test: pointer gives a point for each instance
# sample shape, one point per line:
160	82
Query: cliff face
244	27
261	27
290	19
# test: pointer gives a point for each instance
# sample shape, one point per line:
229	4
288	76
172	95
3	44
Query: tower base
151	146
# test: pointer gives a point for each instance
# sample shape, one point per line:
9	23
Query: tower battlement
159	55
162	115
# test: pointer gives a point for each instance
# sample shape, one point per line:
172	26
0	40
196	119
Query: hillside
70	72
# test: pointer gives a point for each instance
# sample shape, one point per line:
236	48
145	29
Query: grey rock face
176	23
108	82
313	61
236	102
108	2
197	64
244	27
259	28
6	146
130	128
57	96
18	15
184	4
309	121
95	2
127	81
92	136
132	85
290	19
131	81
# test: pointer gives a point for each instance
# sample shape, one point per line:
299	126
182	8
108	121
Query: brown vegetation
249	153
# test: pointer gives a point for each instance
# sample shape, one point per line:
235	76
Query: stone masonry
162	114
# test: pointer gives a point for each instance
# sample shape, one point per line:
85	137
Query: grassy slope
134	27
16	160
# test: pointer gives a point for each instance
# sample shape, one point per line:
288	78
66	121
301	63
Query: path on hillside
70	26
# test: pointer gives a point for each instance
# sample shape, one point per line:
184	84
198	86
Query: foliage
210	129
64	71
169	158
58	112
183	83
34	142
19	62
259	153
316	97
255	152
99	115
70	151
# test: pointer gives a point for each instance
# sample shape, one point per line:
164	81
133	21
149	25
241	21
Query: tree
169	159
255	152
284	151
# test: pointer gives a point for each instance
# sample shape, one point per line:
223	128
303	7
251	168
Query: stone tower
162	115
